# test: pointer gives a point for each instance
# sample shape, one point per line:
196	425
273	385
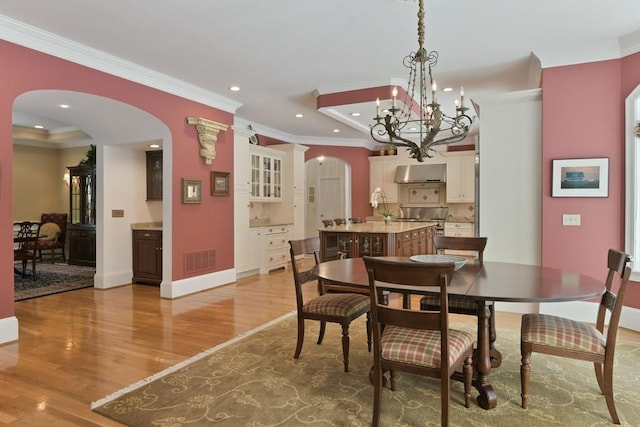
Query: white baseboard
8	329
179	288
107	281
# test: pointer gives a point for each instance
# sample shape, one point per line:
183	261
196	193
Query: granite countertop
146	226
461	219
378	227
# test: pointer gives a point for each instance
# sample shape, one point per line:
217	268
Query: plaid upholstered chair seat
338	305
421	347
554	331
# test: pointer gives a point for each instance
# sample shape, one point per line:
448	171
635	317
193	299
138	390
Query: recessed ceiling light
154	146
63	106
39	127
234	88
355	114
299	115
336	130
447	89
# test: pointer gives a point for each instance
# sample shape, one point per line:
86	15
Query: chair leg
345	346
369	331
525	376
598	368
300	337
608	393
467	370
323	327
444	400
377	393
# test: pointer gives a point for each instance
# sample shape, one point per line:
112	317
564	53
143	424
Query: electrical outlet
573	219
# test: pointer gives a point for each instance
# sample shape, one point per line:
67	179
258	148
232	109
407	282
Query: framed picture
219	183
191	190
580	177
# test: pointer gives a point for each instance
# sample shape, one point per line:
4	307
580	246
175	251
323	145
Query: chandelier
420	125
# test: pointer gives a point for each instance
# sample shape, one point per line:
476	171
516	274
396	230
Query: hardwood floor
78	347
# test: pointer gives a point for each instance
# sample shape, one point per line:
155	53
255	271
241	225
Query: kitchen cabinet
275	248
382	170
265	174
368	239
154	175
243	248
459	229
82	216
147	256
461	175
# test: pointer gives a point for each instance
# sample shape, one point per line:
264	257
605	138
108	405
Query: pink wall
583	116
23	70
358	159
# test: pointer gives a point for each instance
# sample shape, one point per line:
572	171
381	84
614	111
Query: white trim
8	329
191	285
184	363
34	38
112	280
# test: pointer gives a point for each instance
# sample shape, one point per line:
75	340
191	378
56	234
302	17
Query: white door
330	199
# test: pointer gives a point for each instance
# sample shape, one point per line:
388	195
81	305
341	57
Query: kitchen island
376	239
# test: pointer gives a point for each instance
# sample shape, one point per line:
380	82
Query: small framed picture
191	190
219	183
580	177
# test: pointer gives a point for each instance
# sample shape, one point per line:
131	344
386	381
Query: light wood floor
78	347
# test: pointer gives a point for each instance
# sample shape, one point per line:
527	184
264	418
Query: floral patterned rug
254	381
52	279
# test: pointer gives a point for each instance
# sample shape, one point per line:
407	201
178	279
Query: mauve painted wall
358	159
23	70
583	116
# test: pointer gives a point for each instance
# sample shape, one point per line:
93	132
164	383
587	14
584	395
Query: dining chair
327	222
459	305
52	235
25	238
335	307
340	221
355	220
559	336
415	341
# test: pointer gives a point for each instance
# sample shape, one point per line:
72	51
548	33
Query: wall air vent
200	260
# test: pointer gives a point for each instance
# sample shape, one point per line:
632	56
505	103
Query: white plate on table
457	260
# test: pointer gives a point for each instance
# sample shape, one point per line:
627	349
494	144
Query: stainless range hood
406	174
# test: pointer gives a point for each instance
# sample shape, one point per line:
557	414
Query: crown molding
34	38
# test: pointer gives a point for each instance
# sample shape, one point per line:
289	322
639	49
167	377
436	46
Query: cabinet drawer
276	241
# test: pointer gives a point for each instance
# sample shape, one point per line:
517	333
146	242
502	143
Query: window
632	211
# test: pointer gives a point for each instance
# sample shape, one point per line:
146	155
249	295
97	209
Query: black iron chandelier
420	124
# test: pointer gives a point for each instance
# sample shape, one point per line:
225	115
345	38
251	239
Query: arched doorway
329	191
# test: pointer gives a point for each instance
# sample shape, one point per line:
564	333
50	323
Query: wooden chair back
25	238
299	248
617	263
59	219
476	244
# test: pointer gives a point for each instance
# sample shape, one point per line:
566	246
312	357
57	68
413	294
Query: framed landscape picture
580	177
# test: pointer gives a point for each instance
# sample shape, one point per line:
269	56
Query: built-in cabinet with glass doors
82	216
266	174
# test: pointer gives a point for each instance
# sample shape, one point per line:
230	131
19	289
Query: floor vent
201	260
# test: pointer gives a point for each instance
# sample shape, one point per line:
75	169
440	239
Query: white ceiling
282	53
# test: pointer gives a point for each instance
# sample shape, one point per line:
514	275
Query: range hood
406	174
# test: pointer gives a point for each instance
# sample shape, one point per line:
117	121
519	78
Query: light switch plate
571	219
117	213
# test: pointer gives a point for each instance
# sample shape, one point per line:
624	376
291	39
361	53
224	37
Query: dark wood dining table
484	284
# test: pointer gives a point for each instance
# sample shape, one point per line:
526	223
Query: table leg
487	398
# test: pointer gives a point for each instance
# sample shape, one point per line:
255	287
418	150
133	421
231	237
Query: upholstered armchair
52	234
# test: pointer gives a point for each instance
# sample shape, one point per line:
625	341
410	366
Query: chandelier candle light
378	196
420	125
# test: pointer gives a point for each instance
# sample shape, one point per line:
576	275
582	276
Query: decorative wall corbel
208	131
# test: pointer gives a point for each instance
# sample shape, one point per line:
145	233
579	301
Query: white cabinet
292	208
382	170
461	172
459	229
275	248
242	248
265	174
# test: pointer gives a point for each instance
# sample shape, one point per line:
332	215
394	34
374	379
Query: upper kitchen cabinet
461	172
382	170
154	175
265	174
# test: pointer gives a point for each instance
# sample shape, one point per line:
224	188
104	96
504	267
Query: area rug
52	279
255	382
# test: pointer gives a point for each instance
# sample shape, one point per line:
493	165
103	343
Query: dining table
484	284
